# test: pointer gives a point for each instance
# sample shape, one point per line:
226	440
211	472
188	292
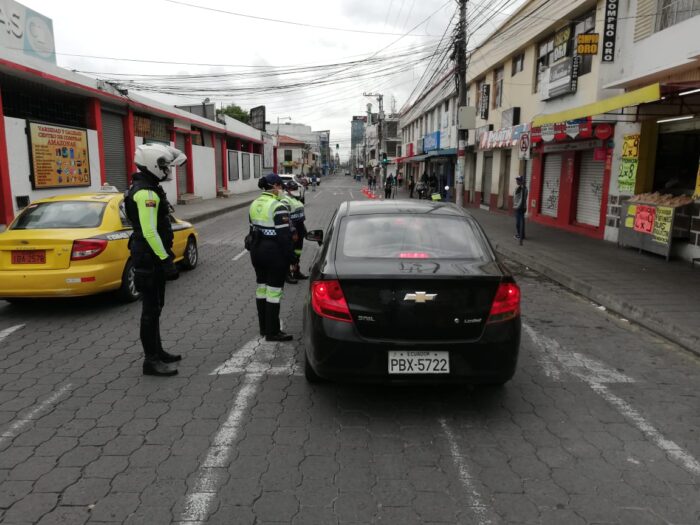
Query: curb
203	216
641	316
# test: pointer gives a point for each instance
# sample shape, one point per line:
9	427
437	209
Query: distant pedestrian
399	179
411	186
520	206
389	186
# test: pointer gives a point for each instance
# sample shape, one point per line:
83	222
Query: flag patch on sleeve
150	204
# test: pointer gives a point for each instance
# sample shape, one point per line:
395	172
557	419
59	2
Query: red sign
560	131
409	149
603	131
644	219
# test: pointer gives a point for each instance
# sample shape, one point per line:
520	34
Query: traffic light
384	159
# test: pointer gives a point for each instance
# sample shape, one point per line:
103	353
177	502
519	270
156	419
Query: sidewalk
206	209
644	288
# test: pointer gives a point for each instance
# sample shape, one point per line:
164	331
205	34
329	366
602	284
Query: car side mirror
315	235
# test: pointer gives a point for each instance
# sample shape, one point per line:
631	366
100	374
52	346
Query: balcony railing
672	12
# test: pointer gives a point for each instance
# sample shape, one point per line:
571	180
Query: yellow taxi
76	245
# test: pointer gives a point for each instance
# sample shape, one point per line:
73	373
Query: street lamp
277	141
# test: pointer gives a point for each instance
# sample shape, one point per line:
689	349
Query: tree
235	111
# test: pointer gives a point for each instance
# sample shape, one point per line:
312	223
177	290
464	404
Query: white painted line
240	255
7	331
19	425
239	358
214	469
595	374
475	502
317	194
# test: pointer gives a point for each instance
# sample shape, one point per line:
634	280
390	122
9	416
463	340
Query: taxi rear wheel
191	256
127	291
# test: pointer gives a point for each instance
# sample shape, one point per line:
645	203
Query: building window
288	155
586	25
545	51
672	12
245	164
498	88
517	64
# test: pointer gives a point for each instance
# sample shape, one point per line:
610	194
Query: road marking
214	469
7	331
18	426
240	255
595	374
475	501
317	194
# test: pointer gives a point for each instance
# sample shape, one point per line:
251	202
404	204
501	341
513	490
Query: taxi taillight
87	249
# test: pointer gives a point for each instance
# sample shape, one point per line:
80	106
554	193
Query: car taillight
506	303
328	301
87	249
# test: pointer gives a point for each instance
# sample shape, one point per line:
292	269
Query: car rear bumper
69	282
336	351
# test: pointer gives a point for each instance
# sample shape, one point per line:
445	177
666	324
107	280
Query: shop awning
417	158
650	93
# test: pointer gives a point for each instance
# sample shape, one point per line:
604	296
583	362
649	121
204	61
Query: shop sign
409	149
603	131
502	138
524	147
587	44
662	225
627	178
257	117
484	101
563	78
59	156
561	43
431	141
579	128
26	31
572	146
644	219
610	30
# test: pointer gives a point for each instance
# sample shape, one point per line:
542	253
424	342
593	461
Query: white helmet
156	159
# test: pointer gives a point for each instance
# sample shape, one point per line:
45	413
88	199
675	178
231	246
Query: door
181	170
590	190
486	180
218	162
504	181
114	151
550	184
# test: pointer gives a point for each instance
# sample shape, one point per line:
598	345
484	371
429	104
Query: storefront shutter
217	161
486	180
115	157
181	170
550	184
590	190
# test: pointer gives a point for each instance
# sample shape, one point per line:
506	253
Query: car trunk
424	300
23	250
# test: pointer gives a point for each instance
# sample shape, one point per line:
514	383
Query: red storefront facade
571	175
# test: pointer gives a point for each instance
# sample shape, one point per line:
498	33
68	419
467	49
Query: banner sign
484	101
524	147
610	30
431	141
26	31
579	128
587	44
501	138
257	118
59	156
627	178
563	77
644	219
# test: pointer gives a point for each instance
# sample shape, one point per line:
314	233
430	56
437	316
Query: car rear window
412	237
62	214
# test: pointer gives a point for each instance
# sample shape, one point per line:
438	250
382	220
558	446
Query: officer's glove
170	270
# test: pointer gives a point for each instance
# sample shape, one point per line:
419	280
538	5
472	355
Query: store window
672	12
498	87
586	25
517	64
245	164
288	155
545	52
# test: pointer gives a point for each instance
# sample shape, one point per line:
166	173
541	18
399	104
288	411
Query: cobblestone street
599	424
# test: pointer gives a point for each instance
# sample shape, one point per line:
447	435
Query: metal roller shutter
590	190
113	142
550	184
217	162
181	170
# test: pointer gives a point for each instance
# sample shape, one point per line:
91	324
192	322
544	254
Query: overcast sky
159	30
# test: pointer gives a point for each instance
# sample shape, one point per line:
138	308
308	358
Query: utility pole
461	52
380	123
369	122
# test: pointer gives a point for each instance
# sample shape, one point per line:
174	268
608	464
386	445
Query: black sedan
409	291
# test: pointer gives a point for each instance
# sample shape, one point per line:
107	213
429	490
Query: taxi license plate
410	362
29	257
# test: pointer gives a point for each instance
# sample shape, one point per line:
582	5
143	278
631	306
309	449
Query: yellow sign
60	156
587	44
630	147
662	225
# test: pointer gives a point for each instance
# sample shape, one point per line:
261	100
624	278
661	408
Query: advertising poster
627	178
662	225
644	219
60	156
630	147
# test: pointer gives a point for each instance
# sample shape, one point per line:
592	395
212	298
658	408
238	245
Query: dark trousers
271	269
411	188
520	224
150	281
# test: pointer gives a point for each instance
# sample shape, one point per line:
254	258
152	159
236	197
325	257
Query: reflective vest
265	215
296	208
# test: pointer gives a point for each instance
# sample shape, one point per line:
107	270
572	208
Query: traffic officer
270	243
151	242
297	218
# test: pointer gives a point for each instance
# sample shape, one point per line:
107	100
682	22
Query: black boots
299	276
290	278
272	324
157	368
166	357
279	337
260	304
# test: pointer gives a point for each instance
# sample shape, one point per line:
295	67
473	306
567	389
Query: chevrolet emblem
420	297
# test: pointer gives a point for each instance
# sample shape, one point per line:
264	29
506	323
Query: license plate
419	362
29	257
